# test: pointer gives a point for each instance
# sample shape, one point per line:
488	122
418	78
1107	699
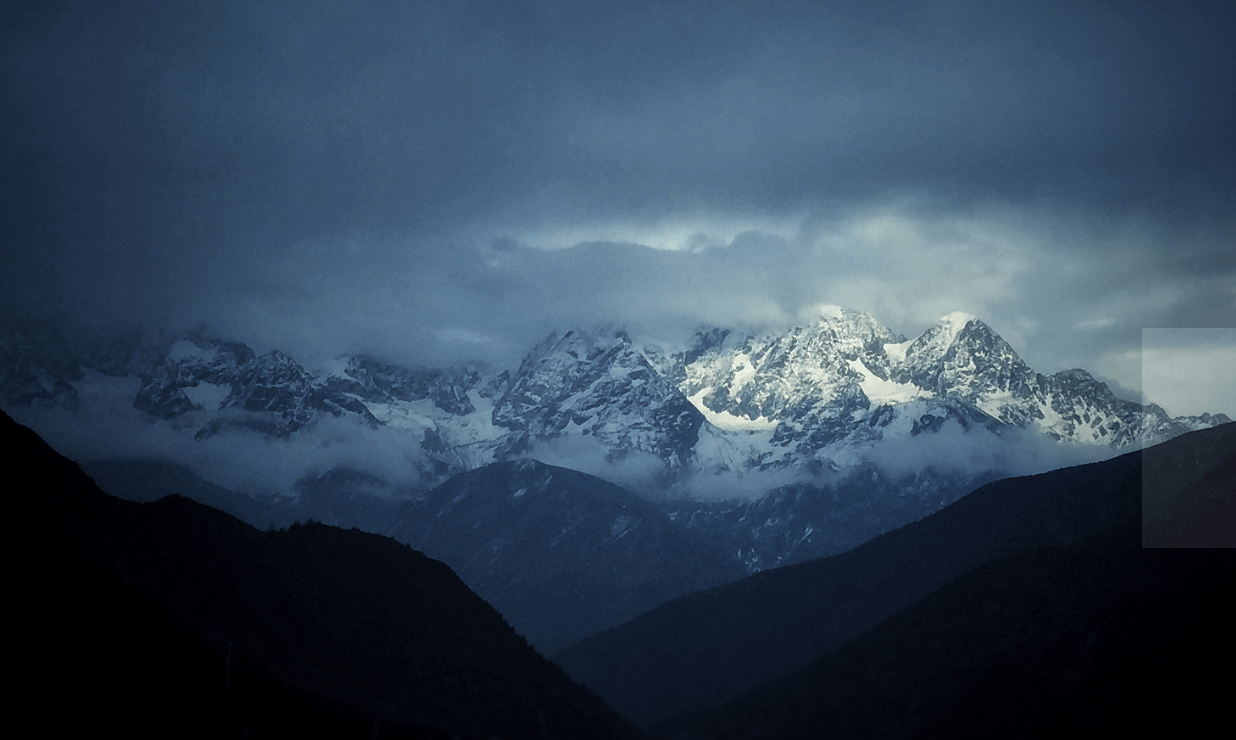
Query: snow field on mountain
882	392
728	407
209	396
897	351
726	421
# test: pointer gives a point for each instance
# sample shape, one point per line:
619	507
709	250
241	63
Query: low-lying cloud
443	183
434	184
105	426
975	451
642	473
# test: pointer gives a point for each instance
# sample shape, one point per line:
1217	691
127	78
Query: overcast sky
449	181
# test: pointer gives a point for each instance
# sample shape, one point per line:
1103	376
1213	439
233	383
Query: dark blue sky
414	178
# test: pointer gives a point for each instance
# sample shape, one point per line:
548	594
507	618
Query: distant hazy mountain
171	619
564	554
560	554
798	522
713	646
148	480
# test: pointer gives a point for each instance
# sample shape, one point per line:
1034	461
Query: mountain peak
597	384
827	311
934	344
829	314
949	327
964	358
957	318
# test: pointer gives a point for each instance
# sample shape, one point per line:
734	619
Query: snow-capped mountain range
723	402
740	451
848	381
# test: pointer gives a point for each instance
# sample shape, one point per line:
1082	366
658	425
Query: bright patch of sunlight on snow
884	391
897	352
209	396
727	421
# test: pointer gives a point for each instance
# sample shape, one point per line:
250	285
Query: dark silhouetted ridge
1040	644
561	553
708	648
171	619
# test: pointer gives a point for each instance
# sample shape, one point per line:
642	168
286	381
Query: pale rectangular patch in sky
1190	371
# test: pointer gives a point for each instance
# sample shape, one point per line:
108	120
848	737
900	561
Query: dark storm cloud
327	177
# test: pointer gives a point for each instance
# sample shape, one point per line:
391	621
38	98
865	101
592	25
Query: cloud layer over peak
439	182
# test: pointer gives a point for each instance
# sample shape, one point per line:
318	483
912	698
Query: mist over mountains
739	450
781	446
717	414
536	288
173	619
1025	608
1066	528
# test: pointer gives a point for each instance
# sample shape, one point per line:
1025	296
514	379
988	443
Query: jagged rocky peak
206	374
376	380
193	373
41	359
858	336
200	358
796	377
1203	421
276	368
277	392
272	382
597	384
854	333
214	374
704	341
963	357
1079	381
932	346
35	371
597	345
580	354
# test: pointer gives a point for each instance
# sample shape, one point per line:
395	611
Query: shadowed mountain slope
173	619
1040	644
710	647
150	479
561	553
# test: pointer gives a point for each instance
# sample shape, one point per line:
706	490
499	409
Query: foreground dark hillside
710	647
561	554
173	619
1050	643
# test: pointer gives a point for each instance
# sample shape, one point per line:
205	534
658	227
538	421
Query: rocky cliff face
847	382
210	375
597	385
